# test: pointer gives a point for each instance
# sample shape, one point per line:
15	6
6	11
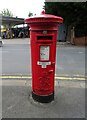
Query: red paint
43	78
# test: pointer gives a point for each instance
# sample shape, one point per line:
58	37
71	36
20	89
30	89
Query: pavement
27	41
16	100
16	41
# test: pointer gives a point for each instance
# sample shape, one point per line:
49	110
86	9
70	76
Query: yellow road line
66	75
69	78
14	77
56	77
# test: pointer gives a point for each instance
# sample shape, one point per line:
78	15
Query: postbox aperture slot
44	53
44	37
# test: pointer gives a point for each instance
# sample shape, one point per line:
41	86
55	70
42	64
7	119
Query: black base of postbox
43	99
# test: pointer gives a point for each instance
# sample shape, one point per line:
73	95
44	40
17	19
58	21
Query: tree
6	12
30	14
74	14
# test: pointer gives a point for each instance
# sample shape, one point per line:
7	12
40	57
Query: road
16	59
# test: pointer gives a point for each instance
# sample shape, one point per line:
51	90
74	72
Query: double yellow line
56	77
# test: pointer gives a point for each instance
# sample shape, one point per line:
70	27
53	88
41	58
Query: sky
21	8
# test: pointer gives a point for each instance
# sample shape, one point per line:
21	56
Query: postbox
43	37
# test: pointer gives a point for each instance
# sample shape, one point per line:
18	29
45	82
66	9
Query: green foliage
74	13
70	11
6	12
30	14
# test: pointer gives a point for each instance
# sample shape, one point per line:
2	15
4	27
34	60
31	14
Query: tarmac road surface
16	59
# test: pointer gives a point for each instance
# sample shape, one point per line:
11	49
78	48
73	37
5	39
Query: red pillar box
43	35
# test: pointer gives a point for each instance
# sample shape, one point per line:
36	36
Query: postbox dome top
44	18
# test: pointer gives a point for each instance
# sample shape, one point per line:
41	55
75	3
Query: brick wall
81	41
